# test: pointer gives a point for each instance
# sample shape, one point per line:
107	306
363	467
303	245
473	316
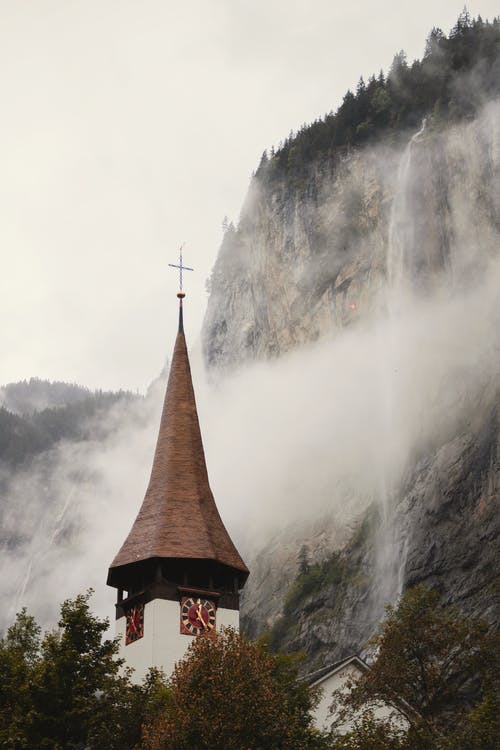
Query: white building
335	677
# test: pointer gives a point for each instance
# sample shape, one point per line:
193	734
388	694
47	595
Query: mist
322	431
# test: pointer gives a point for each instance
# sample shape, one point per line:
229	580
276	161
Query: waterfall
401	224
392	549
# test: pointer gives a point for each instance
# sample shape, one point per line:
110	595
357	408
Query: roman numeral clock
134	628
197	615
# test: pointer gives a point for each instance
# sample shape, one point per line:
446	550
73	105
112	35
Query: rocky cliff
309	256
376	234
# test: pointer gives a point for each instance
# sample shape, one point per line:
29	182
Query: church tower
178	573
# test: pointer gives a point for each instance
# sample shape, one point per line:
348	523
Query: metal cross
180	267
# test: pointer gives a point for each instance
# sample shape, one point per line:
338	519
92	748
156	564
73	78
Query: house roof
178	517
317	677
321	675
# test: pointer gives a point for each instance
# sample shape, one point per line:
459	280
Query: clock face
135	624
197	615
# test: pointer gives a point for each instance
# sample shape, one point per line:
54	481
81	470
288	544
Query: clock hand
200	617
132	623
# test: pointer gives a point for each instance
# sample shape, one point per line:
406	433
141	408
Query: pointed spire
178	518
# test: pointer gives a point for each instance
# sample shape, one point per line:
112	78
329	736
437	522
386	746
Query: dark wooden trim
204	592
173	593
229	601
196	573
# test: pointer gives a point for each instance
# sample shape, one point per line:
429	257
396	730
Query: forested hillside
35	394
26	430
450	83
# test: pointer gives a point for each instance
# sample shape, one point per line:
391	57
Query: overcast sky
131	126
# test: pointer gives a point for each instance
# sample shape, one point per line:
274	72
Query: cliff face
301	255
353	240
442	531
309	256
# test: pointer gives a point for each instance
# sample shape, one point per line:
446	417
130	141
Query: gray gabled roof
315	678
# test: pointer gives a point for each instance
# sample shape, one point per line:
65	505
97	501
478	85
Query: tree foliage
436	667
67	689
23	437
454	78
231	693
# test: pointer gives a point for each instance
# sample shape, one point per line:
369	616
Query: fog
324	430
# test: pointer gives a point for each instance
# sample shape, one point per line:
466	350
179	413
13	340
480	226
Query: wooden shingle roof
178	517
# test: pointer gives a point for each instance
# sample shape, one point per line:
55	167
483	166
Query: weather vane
181	268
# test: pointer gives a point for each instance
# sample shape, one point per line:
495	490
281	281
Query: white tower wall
162	644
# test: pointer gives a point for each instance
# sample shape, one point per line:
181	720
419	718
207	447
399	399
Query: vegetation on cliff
456	75
316	584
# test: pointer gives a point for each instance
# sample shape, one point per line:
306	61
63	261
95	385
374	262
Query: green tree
74	679
303	560
19	652
68	690
231	693
435	666
371	734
